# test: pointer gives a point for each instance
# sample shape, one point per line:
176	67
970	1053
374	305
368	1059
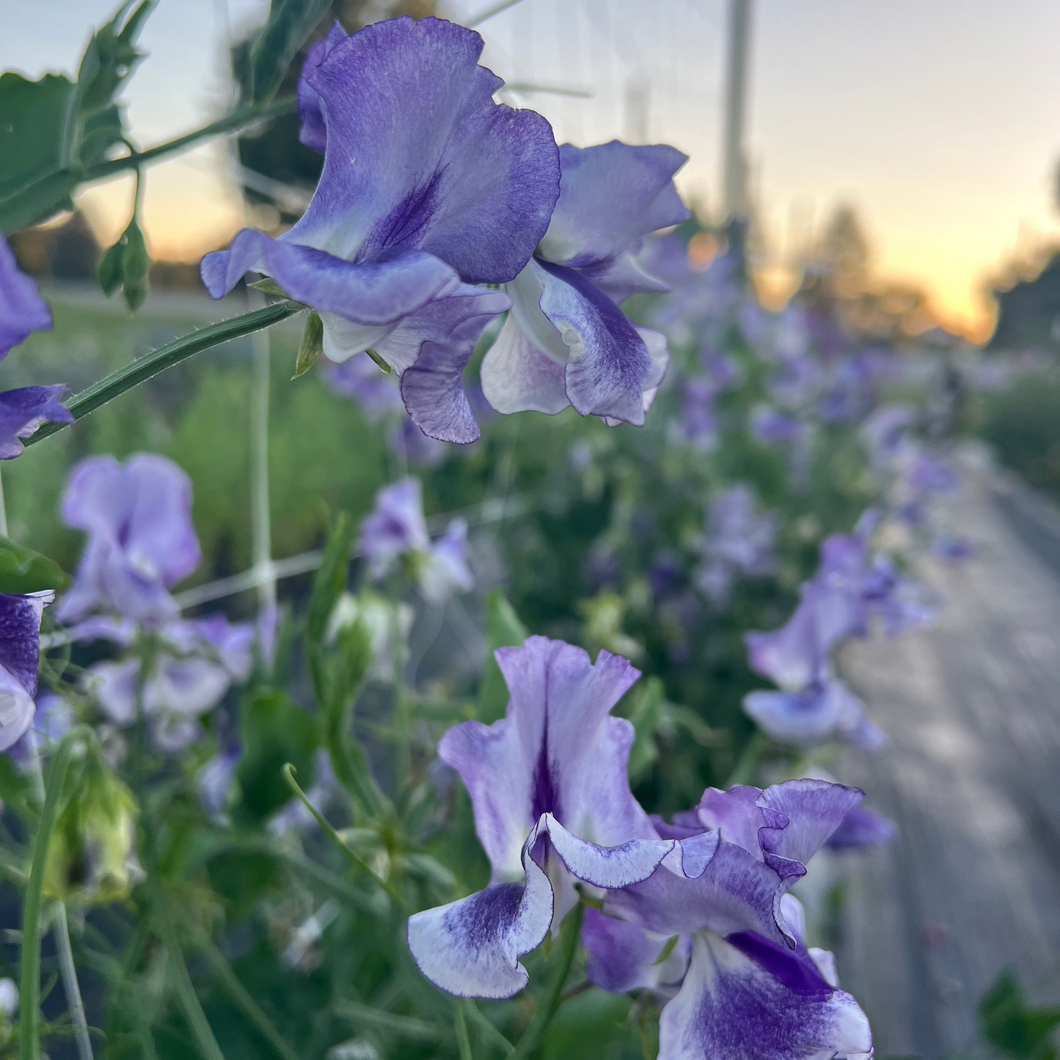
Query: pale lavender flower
214	782
395	526
772	426
446	569
566	342
361	380
751	987
738	540
428	188
886	430
22	310
861	829
141	541
552	804
20	618
698	425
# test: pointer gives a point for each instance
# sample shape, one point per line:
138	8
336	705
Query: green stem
488	1029
402	714
288	774
230	123
29	1012
189	1000
568	946
143	368
463	1042
223	970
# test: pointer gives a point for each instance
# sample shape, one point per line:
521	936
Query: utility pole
734	175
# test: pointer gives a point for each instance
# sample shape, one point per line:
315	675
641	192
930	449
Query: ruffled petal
437	345
812	811
22	310
608	867
759	1003
377	291
518	377
557	751
419	155
22	411
471	948
611	195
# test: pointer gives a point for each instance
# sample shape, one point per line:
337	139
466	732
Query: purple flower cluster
696	910
431	190
738	540
850	588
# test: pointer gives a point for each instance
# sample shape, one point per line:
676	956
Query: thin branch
490	12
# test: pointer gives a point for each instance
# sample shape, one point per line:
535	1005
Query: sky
939	120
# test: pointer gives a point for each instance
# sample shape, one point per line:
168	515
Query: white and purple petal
20	618
22	411
756	1001
624	957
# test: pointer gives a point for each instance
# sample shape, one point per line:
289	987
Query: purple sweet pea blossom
772	426
395	526
552	804
141	541
22	411
751	988
19	662
22	310
566	342
738	540
428	187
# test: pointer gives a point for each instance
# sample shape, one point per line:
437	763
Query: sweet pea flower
396	528
751	987
195	665
428	188
20	618
552	804
22	310
738	540
141	541
566	342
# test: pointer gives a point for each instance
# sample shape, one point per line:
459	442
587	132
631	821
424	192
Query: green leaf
24	571
275	730
136	266
328	584
503	630
109	59
1013	1029
38	130
312	345
274	48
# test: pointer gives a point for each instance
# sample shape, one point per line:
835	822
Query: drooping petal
611	195
431	349
371	294
764	1004
471	947
624	957
518	377
419	155
22	310
22	411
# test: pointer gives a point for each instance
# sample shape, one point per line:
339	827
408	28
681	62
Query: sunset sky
939	120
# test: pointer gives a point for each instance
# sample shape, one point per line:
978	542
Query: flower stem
189	1000
463	1042
568	946
29	1011
233	122
144	368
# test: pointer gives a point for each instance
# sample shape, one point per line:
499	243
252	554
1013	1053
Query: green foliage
1012	1027
275	46
53	129
503	630
274	730
24	571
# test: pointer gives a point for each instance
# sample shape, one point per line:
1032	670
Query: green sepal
268	286
111	269
379	361
24	571
311	346
136	266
